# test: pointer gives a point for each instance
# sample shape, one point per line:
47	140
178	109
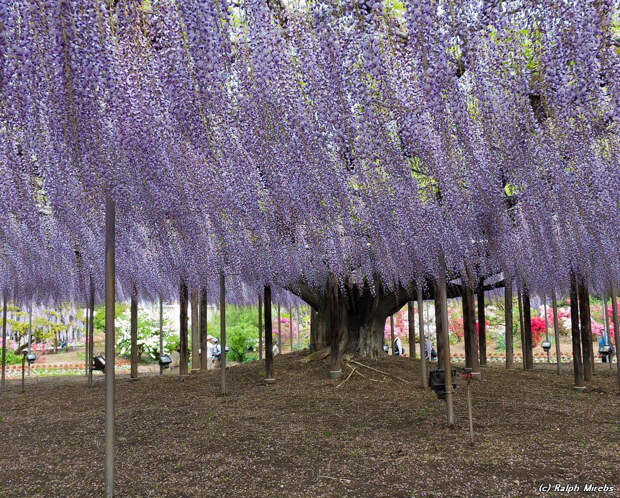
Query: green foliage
12	358
99	318
241	331
147	335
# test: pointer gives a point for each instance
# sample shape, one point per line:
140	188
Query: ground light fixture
165	361
437	381
99	363
30	358
546	345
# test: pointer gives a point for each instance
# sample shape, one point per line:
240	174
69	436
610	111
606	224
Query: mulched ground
373	436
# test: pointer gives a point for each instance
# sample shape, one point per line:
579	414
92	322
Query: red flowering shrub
538	330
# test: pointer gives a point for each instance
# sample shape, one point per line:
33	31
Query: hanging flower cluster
354	139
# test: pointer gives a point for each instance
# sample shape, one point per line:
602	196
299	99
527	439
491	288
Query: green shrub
241	331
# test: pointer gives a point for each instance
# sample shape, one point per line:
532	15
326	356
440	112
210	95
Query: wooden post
482	326
269	377
86	324
260	327
443	298
586	330
298	328
223	332
576	336
134	334
522	333
508	320
290	312
469	414
546	329
392	334
183	298
469	328
30	335
614	311
556	331
23	371
527	329
422	336
195	331
607	331
161	333
411	322
91	330
110	298
203	328
3	381
279	332
438	326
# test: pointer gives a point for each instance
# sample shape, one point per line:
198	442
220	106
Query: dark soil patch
305	437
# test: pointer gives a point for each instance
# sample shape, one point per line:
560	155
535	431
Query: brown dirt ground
373	436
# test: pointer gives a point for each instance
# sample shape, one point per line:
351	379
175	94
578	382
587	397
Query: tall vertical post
203	329
522	332
556	331
576	335
195	331
546	327
438	325
527	328
260	327
586	329
298	328
443	298
614	311
161	333
482	325
134	334
91	330
223	331
86	326
607	331
508	339
422	336
269	378
411	324
183	298
30	335
110	220
290	312
392	334
279	332
469	329
3	379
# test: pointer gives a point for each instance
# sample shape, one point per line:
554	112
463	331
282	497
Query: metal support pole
3	379
290	312
471	421
298	329
161	333
392	334
607	331
279	332
86	323
29	334
91	332
269	378
23	371
546	329
614	310
556	331
260	328
445	342
109	344
422	336
223	331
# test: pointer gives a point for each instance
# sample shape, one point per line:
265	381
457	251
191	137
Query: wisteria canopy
293	142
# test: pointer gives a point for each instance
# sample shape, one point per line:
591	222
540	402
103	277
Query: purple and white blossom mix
341	137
